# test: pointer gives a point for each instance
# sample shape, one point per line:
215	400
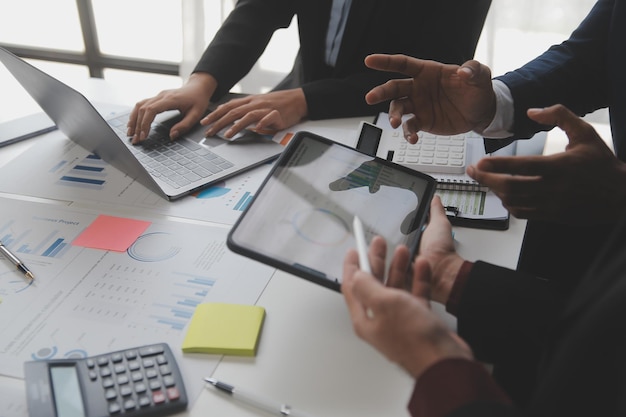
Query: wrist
202	82
444	277
301	106
501	121
443	346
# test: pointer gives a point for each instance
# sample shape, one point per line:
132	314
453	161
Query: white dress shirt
336	26
502	124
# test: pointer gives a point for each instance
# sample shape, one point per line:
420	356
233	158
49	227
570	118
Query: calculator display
66	391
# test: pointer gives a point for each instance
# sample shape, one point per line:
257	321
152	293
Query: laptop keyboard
177	163
431	154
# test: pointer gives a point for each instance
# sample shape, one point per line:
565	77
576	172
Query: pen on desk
361	244
256	401
15	260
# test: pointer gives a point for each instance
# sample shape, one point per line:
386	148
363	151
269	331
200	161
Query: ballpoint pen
361	244
15	260
256	401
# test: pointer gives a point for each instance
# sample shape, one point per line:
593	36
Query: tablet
300	220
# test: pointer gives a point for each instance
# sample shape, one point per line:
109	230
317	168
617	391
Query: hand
437	248
443	99
273	111
583	184
192	100
401	326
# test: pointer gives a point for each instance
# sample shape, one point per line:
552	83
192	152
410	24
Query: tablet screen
300	220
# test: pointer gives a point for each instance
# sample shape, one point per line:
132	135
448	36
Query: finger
506	184
437	212
422	276
410	128
397	109
395	63
358	289
474	73
249	119
269	124
350	269
576	128
223	115
390	90
147	113
524	212
134	115
534	165
377	254
366	291
350	266
228	119
187	123
399	267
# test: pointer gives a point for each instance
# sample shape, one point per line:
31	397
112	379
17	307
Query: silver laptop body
171	168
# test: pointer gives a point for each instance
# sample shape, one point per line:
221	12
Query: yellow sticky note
224	329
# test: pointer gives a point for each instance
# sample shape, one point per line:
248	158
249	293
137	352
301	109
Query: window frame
92	57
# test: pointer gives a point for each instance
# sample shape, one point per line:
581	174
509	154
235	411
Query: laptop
172	169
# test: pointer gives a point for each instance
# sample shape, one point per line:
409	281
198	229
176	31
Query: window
148	43
137	35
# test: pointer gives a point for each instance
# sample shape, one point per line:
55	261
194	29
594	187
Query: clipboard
472	204
492	223
300	220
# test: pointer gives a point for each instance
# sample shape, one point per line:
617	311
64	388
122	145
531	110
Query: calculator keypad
136	378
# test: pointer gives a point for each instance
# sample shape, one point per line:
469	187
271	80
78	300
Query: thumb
475	73
577	130
188	121
422	275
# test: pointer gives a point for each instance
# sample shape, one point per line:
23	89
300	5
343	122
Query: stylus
256	401
361	244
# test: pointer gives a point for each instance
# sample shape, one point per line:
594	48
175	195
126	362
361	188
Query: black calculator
141	381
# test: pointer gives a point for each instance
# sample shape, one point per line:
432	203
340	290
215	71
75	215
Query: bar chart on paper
233	195
51	245
89	172
125	296
144	294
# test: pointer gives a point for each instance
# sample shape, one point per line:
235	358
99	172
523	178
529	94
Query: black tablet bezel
303	271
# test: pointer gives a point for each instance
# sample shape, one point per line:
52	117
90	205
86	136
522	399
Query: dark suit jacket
576	341
584	73
444	30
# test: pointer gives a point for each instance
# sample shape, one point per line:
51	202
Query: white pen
361	244
256	401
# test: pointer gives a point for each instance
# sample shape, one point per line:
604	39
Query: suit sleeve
458	387
241	40
573	73
503	312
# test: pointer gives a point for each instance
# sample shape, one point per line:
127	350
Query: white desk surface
308	354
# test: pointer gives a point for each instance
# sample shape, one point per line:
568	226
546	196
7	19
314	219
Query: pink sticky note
111	233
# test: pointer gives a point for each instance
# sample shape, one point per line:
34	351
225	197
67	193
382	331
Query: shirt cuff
502	123
451	384
452	306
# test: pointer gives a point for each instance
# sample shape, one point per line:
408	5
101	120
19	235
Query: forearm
343	97
572	74
241	40
502	311
455	385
